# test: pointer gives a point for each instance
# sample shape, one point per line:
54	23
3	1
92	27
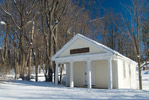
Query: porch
89	71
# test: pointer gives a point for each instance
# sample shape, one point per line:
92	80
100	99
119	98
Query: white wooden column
71	75
67	75
56	74
89	74
116	74
110	73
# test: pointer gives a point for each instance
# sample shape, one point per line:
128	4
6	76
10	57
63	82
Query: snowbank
25	90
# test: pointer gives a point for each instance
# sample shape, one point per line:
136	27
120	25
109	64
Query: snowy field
145	80
24	90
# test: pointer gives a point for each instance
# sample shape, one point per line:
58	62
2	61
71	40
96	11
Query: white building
92	64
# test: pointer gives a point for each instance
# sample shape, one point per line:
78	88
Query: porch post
71	75
67	75
130	75
56	74
116	74
89	74
110	73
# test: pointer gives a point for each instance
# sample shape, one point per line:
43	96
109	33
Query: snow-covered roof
92	42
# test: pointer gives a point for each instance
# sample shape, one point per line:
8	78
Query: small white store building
91	64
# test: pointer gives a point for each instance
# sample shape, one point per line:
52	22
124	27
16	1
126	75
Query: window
124	70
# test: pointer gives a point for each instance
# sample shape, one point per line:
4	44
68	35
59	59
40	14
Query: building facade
93	65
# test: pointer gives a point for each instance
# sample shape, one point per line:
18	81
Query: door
86	74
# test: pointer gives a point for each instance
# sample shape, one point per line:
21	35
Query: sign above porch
79	50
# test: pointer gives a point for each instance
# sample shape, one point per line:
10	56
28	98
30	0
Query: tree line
32	31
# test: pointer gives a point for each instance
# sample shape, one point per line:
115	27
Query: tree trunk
36	72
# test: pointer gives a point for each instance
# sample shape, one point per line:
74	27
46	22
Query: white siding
114	74
133	77
128	81
79	73
101	73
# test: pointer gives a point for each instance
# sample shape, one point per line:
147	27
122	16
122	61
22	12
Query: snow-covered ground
145	80
24	90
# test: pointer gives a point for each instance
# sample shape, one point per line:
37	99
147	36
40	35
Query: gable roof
95	43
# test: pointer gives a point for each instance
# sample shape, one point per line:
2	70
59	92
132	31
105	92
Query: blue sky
114	5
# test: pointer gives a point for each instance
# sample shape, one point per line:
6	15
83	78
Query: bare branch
10	17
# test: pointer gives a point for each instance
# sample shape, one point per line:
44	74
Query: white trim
71	75
66	74
89	74
84	57
116	74
64	47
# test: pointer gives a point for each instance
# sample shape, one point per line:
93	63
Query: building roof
92	42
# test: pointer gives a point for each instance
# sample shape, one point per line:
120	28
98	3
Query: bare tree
134	26
52	13
20	15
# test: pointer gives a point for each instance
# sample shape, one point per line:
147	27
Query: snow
22	90
2	23
25	90
145	80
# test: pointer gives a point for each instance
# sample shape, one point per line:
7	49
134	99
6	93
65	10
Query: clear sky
110	5
115	4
